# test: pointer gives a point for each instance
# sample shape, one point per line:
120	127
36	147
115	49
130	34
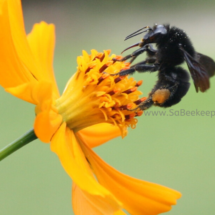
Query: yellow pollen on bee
160	96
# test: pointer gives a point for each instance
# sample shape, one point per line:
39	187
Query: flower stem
17	144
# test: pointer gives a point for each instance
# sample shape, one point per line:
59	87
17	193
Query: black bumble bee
173	48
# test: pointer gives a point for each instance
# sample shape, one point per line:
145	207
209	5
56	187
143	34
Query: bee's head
153	35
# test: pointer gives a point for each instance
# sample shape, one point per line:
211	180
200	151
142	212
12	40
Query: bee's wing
198	72
207	62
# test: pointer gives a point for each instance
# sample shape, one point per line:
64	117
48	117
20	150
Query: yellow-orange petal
46	124
98	134
120	212
85	203
19	37
23	92
138	197
42	41
13	72
34	92
73	160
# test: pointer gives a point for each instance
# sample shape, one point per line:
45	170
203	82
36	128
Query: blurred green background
177	151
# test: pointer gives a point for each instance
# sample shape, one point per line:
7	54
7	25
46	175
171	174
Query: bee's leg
171	94
132	59
174	84
135	54
173	89
146	104
141	67
149	60
151	51
148	48
169	90
160	94
157	97
177	91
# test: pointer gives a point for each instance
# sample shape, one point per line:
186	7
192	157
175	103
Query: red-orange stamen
100	56
118	79
103	77
105	66
126	107
130	90
114	91
118	57
127	64
130	116
90	67
108	51
139	83
125	68
137	102
139	113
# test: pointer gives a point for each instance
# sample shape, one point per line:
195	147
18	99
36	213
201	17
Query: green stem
17	144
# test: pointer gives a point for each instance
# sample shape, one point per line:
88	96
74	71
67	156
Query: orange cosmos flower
92	110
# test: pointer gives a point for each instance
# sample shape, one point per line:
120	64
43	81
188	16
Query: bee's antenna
137	32
130	36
